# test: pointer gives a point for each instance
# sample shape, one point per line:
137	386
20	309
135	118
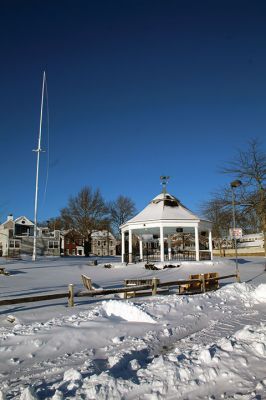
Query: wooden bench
88	283
211	284
192	287
139	282
206	283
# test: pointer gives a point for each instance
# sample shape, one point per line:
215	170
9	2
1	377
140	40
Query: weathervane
164	181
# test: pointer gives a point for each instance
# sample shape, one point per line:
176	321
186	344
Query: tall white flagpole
38	150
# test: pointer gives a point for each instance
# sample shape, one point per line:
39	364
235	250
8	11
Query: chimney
10	217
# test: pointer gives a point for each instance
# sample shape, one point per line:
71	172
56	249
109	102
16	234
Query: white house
16	237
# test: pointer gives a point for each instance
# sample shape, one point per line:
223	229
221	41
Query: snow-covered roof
100	234
164	207
23	221
19	221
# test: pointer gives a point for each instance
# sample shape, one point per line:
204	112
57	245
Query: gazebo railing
204	255
190	255
182	255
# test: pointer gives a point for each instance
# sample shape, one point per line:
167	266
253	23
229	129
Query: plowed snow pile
126	311
260	293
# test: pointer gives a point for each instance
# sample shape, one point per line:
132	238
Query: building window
53	245
111	252
111	243
99	243
14	244
104	243
73	252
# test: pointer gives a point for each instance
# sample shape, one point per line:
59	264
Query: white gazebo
160	222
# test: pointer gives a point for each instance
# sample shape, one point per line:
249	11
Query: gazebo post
210	243
130	246
161	244
169	248
140	249
123	246
197	243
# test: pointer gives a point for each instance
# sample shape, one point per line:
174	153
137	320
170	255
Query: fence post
238	277
203	287
154	286
70	295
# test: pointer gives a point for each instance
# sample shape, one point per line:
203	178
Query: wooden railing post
154	283
70	295
238	277
203	287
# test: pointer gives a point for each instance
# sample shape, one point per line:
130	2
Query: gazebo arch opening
166	230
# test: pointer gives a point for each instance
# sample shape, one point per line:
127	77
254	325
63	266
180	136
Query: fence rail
101	292
32	299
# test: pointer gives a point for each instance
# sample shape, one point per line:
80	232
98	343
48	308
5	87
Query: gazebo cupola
167	230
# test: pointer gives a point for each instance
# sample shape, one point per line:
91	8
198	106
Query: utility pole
234	185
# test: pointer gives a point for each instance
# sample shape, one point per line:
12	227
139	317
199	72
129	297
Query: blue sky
137	89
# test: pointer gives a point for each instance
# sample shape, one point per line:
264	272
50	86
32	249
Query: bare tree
55	223
217	211
85	213
249	166
122	209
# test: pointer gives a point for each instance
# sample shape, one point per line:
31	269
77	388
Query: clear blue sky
137	89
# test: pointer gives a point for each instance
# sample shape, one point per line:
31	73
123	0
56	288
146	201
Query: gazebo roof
164	207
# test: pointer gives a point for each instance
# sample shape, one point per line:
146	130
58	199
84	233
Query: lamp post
234	185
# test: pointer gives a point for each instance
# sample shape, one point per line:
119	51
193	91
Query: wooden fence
32	299
153	287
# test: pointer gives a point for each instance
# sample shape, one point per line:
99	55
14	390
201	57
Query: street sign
235	233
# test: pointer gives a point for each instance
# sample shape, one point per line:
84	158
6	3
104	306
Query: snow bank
218	370
185	347
260	293
192	371
72	375
28	394
126	311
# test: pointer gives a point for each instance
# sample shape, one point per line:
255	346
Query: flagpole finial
164	180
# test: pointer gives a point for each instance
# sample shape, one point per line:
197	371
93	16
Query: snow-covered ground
208	346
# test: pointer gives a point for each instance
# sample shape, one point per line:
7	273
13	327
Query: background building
72	243
16	238
103	243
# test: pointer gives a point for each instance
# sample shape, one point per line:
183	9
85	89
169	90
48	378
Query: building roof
101	234
164	207
23	221
10	221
